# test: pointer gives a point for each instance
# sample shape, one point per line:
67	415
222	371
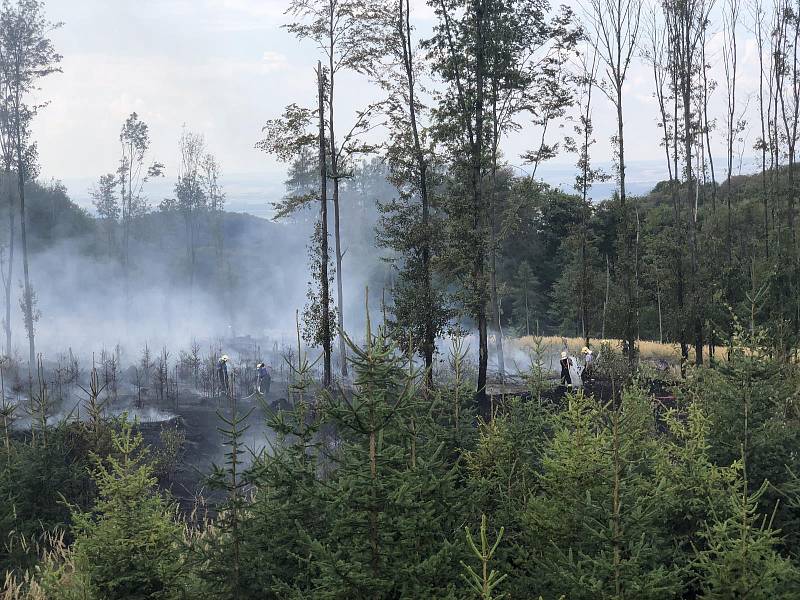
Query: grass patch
648	350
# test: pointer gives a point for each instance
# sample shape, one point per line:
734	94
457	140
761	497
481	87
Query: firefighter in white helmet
222	371
588	362
566	379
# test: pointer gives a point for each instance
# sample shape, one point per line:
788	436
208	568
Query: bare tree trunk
660	326
527	313
730	56
691	215
26	274
605	302
336	176
479	220
323	195
8	278
707	129
29	320
495	301
630	251
339	292
429	341
765	197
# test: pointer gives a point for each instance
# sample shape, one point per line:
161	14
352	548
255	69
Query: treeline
474	242
390	491
556	270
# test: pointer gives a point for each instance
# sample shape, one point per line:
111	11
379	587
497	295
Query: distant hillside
250	274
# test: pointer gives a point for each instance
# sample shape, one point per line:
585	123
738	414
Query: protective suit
264	379
222	372
566	379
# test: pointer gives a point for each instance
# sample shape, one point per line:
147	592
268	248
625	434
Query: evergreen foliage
129	543
741	558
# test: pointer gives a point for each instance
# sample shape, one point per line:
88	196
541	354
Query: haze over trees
411	438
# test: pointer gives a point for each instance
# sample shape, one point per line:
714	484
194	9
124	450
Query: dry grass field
648	349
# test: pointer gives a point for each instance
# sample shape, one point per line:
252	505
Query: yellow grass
647	349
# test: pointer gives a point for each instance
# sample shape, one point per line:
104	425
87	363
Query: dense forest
359	397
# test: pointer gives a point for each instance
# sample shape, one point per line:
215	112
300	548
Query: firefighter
566	379
222	372
588	362
264	379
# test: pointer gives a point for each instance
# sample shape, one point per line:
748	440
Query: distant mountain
248	192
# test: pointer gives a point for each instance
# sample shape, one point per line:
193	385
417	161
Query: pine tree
502	471
741	559
483	584
289	499
129	544
595	516
392	495
452	404
748	399
223	557
696	489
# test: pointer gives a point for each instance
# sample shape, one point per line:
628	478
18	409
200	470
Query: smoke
88	304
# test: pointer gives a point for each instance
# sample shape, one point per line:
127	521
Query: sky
223	67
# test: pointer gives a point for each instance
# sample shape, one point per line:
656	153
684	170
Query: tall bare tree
8	149
686	23
133	173
730	57
104	198
586	81
764	101
616	25
788	93
407	223
292	138
341	29
28	55
191	194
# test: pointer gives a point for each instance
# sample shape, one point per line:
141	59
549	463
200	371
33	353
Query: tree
8	149
134	139
525	298
289	499
291	139
190	192
733	127
526	56
128	544
393	492
408	224
741	559
483	585
210	175
495	59
27	56
105	203
458	55
616	29
598	501
686	23
584	130
340	29
225	555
